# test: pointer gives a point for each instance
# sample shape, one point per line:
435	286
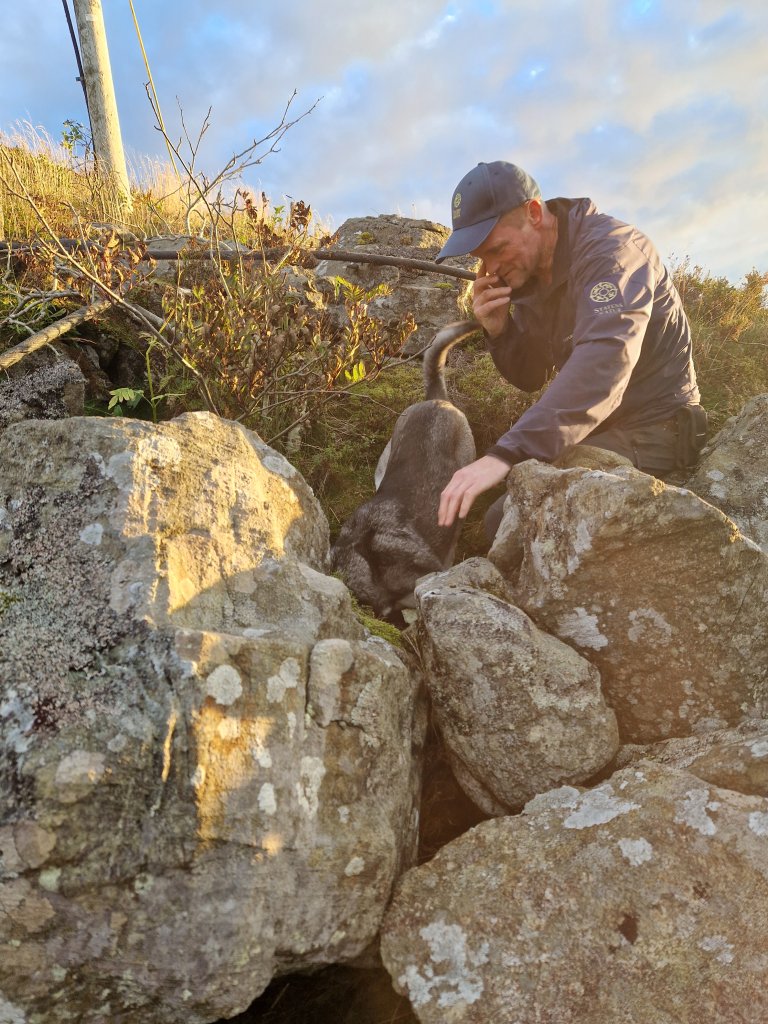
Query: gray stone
169	269
49	391
432	299
207	771
389	231
730	758
508	544
644	899
519	711
658	589
733	471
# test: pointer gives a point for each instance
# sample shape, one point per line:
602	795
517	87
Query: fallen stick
35	341
303	256
310	256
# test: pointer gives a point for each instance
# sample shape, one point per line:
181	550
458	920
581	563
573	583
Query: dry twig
37	341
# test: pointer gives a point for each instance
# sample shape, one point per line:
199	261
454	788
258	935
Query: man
562	286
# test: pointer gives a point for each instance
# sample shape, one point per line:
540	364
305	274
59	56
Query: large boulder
732	758
206	765
390	232
657	588
431	298
48	391
644	899
519	711
733	471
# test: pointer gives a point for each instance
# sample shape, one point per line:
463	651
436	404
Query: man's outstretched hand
466	484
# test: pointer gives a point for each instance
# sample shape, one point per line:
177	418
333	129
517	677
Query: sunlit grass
61	180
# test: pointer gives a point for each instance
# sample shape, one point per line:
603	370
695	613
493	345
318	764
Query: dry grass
64	186
729	325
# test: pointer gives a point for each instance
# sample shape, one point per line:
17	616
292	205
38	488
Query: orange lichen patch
232	753
272	843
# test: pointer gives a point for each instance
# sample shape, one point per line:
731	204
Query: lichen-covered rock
389	231
730	758
733	471
195	523
519	711
49	391
431	299
657	588
509	542
206	768
644	899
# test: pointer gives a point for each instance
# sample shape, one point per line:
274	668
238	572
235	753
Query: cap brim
464	240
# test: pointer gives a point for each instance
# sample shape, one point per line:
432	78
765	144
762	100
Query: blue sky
657	109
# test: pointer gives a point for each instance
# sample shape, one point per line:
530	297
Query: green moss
6	600
379	628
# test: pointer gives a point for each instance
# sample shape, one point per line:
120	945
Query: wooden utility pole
102	107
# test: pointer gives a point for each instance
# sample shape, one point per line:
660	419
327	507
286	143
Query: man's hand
466	484
490	302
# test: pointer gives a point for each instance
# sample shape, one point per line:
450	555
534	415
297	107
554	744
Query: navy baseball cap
481	197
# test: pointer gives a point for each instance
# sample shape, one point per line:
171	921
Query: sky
656	109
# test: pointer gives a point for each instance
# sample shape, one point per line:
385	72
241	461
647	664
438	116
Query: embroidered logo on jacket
604	291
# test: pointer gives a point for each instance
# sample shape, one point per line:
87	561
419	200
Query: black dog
393	538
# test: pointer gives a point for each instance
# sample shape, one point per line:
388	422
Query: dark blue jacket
613	325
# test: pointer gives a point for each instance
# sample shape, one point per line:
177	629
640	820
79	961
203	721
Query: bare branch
14	355
283	254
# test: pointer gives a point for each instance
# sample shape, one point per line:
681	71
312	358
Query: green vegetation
305	364
7	599
377	627
122	400
730	335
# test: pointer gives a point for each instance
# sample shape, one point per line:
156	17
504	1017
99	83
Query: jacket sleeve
613	309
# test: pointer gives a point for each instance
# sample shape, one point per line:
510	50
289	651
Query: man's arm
612	314
490	305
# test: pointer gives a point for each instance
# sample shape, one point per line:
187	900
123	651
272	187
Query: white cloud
658	110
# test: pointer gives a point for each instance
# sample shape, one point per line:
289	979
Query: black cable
81	79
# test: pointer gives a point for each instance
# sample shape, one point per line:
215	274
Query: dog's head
380	559
350	561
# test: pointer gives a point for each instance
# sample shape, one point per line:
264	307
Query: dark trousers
652	449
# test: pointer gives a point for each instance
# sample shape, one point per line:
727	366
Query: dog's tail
437	353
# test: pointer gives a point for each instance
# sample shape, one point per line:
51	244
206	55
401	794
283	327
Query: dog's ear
354	563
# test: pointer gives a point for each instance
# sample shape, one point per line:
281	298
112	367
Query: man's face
512	251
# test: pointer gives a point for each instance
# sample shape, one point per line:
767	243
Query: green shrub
729	325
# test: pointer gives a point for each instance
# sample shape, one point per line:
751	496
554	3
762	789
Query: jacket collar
567	212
